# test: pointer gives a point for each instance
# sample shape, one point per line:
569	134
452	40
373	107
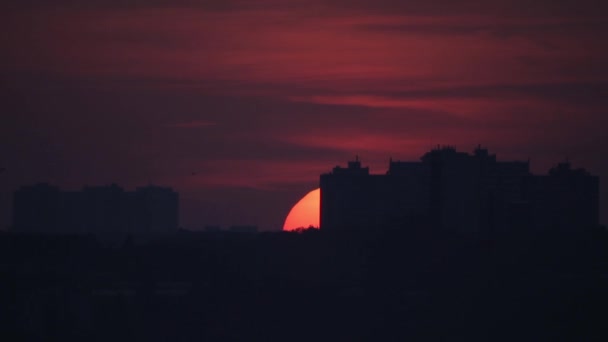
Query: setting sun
305	213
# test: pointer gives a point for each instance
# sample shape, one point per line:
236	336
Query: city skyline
44	208
450	190
395	165
444	189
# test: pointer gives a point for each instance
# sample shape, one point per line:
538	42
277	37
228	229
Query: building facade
101	209
451	190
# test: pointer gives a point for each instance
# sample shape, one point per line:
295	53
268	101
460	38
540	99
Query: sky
241	105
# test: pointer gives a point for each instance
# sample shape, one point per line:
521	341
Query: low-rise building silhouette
564	198
451	190
100	209
212	229
243	229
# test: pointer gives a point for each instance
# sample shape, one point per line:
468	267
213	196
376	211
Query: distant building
451	190
212	229
352	199
157	208
39	208
564	198
101	209
243	229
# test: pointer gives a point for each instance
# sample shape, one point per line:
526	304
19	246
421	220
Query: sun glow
305	213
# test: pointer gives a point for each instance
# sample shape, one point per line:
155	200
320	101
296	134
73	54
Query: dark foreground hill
306	286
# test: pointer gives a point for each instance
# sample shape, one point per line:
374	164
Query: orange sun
305	213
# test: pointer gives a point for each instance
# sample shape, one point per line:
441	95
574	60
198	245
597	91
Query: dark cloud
208	5
460	7
434	7
502	30
574	92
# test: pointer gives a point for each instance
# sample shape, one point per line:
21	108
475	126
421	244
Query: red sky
240	105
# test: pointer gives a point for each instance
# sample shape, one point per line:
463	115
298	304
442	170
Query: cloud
270	44
253	173
418	7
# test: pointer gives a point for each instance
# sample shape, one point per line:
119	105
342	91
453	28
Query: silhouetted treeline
313	285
